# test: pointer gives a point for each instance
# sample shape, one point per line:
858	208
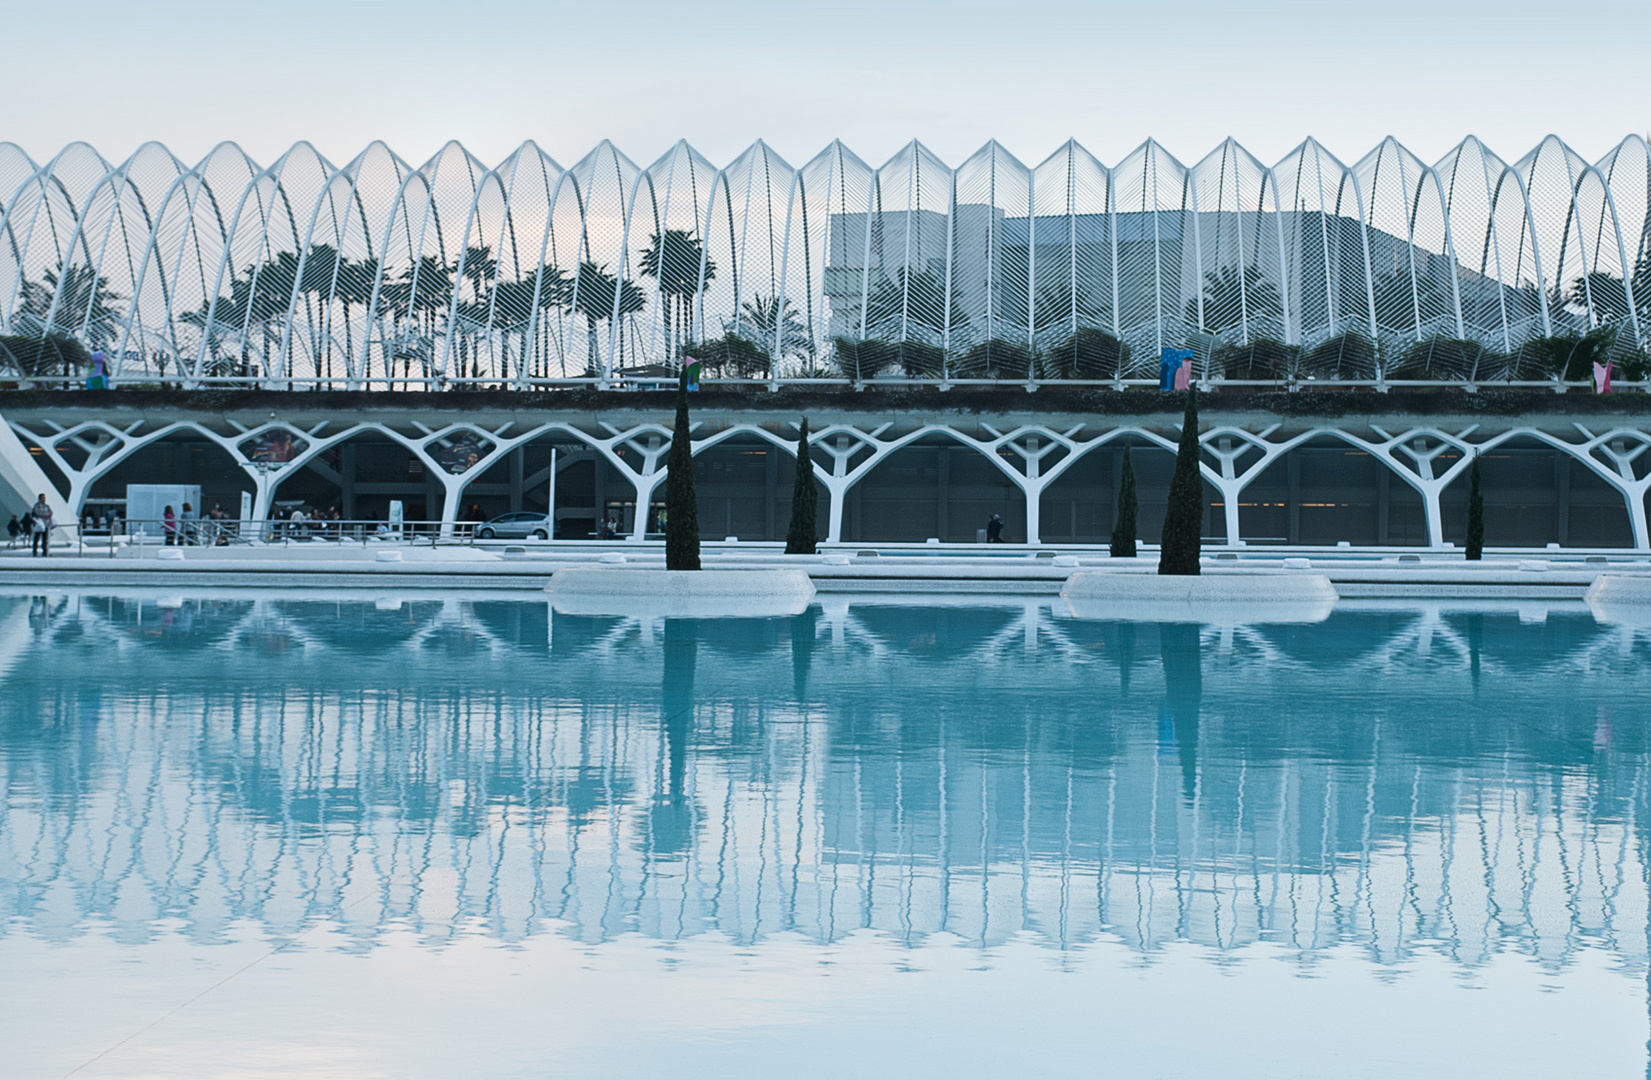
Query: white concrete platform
681	594
1218	596
1621	599
962	569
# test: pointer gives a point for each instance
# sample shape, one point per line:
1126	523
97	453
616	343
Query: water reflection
1470	779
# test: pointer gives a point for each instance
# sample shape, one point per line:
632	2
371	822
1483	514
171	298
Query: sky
874	73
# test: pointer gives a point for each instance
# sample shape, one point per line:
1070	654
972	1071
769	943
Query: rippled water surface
253	835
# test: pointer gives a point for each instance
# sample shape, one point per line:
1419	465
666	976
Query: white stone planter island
679	594
1621	599
1223	597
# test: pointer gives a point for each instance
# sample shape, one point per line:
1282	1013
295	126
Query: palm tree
86	306
1230	297
426	287
517	305
320	269
673	259
355	286
593	297
261	297
764	319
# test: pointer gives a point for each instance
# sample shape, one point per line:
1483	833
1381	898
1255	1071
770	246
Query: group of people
33	527
188	528
299	523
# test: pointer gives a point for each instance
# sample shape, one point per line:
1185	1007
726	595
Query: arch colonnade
1427	457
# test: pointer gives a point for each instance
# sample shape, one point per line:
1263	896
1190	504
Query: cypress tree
681	504
1184	516
1476	514
1123	522
805	501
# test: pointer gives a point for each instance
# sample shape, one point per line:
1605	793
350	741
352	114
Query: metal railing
210	532
436	384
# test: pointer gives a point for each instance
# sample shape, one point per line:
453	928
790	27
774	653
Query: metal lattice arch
378	274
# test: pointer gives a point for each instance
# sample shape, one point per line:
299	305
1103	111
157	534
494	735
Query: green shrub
1569	356
1184	514
1087	354
54	354
801	537
861	360
1443	357
1345	356
1123	522
1261	358
681	501
995	359
730	356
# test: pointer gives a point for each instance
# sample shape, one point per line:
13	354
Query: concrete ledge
1261	596
681	594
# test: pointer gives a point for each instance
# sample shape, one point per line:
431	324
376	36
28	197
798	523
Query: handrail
622	383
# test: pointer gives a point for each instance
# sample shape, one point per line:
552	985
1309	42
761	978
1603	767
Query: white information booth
146	506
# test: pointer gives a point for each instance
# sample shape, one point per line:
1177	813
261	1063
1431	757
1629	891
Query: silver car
515	527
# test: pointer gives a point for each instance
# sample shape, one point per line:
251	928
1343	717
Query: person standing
994	530
42	515
14	529
169	525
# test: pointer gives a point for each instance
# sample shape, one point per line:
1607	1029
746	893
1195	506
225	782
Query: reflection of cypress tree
802	650
801	537
671	816
1184	516
1476	513
1126	656
1183	694
1123	522
1476	639
681	504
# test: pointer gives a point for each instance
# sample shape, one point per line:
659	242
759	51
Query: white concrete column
20	472
837	485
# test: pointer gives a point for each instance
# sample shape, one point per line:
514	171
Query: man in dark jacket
42	514
994	530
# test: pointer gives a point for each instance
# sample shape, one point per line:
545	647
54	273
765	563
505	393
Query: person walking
169	526
42	515
14	529
994	530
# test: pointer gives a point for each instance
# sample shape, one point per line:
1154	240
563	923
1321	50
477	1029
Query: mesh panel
1156	269
744	233
668	253
381	275
1237	291
1071	265
834	194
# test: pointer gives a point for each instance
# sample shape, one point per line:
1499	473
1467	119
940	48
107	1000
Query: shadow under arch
1536	494
184	456
1324	491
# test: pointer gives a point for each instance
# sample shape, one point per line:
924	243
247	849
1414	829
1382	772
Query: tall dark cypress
681	504
1476	514
805	502
1184	516
1123	522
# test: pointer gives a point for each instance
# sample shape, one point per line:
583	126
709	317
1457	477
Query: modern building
909	310
380	274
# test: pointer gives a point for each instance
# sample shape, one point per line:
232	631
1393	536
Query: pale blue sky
415	73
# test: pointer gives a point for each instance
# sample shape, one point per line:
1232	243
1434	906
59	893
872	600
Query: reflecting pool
257	835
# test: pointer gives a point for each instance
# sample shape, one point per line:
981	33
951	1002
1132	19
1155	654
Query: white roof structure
379	274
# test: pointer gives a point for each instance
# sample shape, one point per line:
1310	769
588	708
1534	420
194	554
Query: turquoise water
246	835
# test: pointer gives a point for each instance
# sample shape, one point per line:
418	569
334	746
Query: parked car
515	527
